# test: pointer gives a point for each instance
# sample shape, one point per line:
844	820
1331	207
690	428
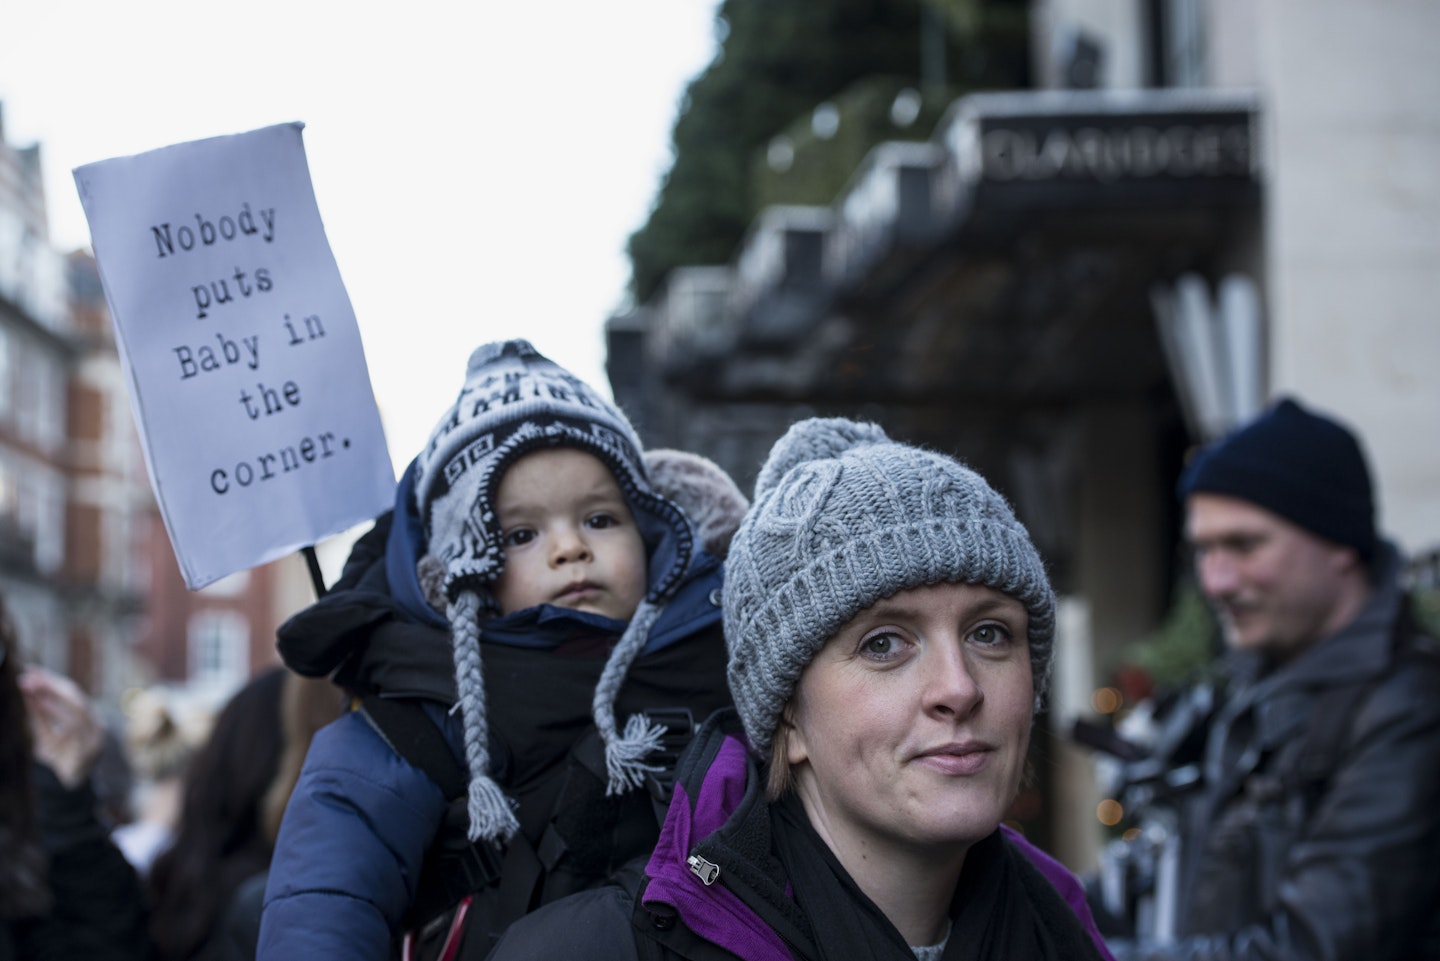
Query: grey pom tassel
489	809
430	571
625	754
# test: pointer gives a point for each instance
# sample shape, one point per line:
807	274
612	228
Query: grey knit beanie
515	401
843	517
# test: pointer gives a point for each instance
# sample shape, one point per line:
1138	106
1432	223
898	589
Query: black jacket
746	906
98	908
1335	862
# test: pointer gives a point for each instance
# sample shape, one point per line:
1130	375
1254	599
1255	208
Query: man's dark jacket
1340	862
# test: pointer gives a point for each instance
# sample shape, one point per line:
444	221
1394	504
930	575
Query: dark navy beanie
1303	466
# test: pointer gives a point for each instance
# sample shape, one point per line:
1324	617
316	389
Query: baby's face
568	535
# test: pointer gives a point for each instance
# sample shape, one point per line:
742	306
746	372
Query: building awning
1009	257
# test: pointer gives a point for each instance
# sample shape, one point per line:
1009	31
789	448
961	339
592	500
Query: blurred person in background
1317	829
66	891
306	705
235	789
160	749
218	841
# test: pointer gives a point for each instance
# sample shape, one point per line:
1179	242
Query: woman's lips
957	759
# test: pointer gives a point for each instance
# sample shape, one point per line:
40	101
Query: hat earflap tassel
488	807
625	753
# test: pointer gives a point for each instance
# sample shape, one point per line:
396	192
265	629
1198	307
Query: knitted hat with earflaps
515	401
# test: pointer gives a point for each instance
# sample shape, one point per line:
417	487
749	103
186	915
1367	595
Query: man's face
1276	587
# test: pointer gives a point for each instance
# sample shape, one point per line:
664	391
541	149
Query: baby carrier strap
411	734
469	892
454	866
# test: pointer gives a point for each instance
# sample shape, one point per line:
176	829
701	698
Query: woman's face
909	728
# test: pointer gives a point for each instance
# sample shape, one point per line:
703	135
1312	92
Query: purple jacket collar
711	911
718	795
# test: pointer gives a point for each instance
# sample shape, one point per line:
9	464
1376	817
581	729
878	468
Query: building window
50	417
9	494
50	525
27	397
219	649
117	548
1177	43
7	375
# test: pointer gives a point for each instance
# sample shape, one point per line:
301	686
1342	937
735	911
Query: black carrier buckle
454	868
679	730
478	865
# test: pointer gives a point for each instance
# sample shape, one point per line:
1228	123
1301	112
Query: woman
204	886
219	840
890	630
65	890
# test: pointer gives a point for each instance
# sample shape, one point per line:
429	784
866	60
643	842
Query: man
1317	833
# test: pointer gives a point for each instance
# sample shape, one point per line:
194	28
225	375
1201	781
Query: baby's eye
517	537
990	635
600	522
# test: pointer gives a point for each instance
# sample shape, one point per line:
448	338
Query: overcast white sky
478	166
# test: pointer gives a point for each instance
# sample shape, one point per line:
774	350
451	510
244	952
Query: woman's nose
950	686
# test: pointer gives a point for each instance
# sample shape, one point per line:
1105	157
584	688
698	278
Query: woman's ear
795	751
780	777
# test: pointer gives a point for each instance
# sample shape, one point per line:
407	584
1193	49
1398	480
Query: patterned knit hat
844	517
516	401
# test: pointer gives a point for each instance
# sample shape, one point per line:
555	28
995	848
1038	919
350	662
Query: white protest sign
246	370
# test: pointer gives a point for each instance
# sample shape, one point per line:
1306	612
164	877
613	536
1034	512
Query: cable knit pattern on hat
843	517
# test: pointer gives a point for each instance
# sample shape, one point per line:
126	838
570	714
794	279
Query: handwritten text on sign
246	368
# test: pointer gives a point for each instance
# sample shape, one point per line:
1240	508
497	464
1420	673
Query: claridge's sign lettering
247	375
1125	153
1110	149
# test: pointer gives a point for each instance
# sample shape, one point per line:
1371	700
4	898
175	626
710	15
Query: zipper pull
706	871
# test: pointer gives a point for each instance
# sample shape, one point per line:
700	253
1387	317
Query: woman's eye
515	538
880	645
990	635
